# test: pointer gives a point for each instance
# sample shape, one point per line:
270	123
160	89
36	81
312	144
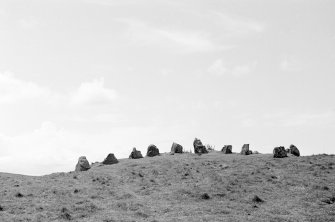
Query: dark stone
227	149
279	152
135	154
110	159
18	194
83	164
256	199
245	150
152	150
205	196
199	148
294	150
176	148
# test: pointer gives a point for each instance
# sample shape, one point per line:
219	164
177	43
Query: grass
180	187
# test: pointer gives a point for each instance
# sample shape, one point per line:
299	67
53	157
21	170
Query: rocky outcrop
279	152
227	149
294	150
176	148
152	151
110	159
199	147
83	164
245	150
135	154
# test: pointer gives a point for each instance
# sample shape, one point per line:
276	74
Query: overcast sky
92	77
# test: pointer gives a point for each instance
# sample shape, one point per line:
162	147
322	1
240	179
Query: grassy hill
184	187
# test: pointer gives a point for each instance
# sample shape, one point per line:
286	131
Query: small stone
205	196
227	149
19	195
256	199
135	154
199	148
110	159
83	164
279	152
152	151
176	148
245	150
294	150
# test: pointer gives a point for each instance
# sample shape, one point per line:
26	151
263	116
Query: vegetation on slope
180	187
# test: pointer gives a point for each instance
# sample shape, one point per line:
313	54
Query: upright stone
176	148
152	150
227	149
279	152
135	154
83	164
245	150
199	147
110	159
294	150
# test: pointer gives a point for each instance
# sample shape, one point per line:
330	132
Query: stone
199	148
110	159
294	150
135	154
176	148
83	164
279	152
152	151
227	149
245	150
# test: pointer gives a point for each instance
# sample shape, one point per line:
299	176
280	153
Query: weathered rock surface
176	148
294	150
245	150
279	152
135	154
152	150
83	164
227	149
110	159
199	147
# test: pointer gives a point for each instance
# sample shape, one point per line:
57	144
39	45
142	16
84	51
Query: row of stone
199	148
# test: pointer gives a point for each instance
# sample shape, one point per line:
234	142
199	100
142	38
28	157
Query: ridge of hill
180	187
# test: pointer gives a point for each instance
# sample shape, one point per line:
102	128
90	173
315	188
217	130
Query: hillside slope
184	187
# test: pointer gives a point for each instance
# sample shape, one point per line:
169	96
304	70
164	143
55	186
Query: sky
93	77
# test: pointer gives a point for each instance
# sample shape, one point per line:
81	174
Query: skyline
88	78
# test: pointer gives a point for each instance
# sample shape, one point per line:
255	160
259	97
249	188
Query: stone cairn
279	152
176	148
245	150
227	149
135	154
199	147
82	165
152	151
110	159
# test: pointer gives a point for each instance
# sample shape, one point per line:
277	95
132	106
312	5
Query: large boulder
83	164
227	149
152	150
135	154
279	152
294	150
110	159
245	150
176	148
199	147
